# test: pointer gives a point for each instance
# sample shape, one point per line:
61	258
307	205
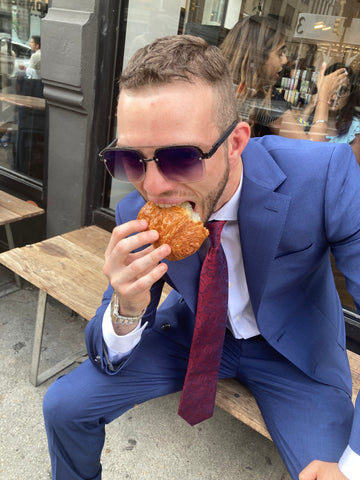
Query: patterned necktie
198	396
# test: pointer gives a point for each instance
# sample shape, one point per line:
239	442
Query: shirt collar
229	211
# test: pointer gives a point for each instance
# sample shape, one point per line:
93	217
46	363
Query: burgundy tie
198	396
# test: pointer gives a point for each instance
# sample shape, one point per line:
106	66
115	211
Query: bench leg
37	378
10	241
39	330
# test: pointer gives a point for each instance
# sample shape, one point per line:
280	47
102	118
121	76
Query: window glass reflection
147	20
22	104
302	80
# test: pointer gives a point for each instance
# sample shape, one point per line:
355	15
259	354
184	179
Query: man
288	202
33	70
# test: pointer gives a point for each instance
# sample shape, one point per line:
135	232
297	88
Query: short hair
37	40
247	47
184	58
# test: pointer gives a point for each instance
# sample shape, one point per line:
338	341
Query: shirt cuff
349	464
119	345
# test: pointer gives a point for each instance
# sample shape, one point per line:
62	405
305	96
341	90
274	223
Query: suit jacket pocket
281	253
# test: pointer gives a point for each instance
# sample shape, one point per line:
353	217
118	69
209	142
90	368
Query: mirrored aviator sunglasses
177	163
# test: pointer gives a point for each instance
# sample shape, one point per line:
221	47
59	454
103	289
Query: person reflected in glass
255	49
34	68
344	118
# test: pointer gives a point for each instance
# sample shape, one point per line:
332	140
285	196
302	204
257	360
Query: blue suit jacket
298	200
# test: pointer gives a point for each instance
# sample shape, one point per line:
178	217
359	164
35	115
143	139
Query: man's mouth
168	205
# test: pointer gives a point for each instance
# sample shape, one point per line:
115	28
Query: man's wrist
119	319
120	339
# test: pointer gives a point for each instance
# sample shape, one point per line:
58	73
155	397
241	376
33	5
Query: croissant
178	226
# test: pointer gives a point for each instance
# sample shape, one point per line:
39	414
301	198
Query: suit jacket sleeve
343	204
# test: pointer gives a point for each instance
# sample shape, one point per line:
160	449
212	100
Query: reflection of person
159	26
283	210
255	49
33	70
344	120
7	60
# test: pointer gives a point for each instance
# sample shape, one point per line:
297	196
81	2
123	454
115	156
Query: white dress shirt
241	317
349	464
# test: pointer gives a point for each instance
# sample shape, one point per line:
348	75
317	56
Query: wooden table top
26	101
68	267
13	209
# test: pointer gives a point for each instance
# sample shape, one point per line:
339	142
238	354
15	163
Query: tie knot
215	227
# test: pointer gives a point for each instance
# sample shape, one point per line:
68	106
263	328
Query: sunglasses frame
202	155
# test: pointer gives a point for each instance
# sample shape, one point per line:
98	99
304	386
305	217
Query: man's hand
318	470
133	274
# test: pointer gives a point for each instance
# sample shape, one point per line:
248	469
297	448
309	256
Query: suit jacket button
97	359
166	326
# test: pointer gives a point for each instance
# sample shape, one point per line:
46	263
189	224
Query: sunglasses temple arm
101	153
221	140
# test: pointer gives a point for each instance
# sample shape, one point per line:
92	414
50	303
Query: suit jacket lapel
261	216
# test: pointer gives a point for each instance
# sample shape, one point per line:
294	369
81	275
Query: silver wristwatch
120	319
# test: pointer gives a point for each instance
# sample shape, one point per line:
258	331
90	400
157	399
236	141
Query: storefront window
147	20
22	105
314	32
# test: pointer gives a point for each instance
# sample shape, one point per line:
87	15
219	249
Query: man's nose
154	182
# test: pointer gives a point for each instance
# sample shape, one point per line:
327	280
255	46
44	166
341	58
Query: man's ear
238	140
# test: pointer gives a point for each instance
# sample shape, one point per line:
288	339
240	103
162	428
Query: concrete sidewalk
149	442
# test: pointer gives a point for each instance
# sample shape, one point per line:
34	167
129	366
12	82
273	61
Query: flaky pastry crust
176	228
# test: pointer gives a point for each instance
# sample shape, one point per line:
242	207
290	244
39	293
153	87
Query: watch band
120	319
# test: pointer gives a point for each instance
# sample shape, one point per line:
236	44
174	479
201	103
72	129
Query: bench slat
64	270
346	298
236	399
354	360
13	209
94	239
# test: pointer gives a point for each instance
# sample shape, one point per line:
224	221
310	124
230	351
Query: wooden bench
69	268
12	209
8	127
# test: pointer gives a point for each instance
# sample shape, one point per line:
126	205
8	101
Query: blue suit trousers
306	419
